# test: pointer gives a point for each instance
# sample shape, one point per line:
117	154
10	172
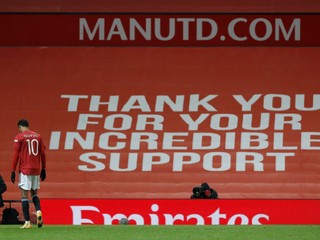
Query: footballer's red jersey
29	152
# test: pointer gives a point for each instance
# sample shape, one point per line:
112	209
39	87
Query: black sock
36	202
25	209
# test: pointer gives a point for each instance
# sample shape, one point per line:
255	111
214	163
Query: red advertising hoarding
177	212
159	29
155	122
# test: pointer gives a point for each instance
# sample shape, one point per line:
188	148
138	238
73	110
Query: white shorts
28	182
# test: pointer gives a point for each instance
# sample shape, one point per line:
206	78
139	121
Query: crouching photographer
204	192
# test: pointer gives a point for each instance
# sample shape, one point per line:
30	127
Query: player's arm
15	160
43	174
16	154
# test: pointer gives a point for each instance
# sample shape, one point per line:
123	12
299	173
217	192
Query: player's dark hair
23	123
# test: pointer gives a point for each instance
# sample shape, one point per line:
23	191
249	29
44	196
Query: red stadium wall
160	6
123	124
132	145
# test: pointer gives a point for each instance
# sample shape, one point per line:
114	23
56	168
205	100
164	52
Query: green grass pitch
133	232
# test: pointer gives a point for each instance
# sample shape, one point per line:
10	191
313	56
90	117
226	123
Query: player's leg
25	186
25	208
35	198
36	202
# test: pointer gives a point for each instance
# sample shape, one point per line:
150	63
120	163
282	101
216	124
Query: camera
204	192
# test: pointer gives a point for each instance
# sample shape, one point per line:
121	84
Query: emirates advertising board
145	119
182	212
